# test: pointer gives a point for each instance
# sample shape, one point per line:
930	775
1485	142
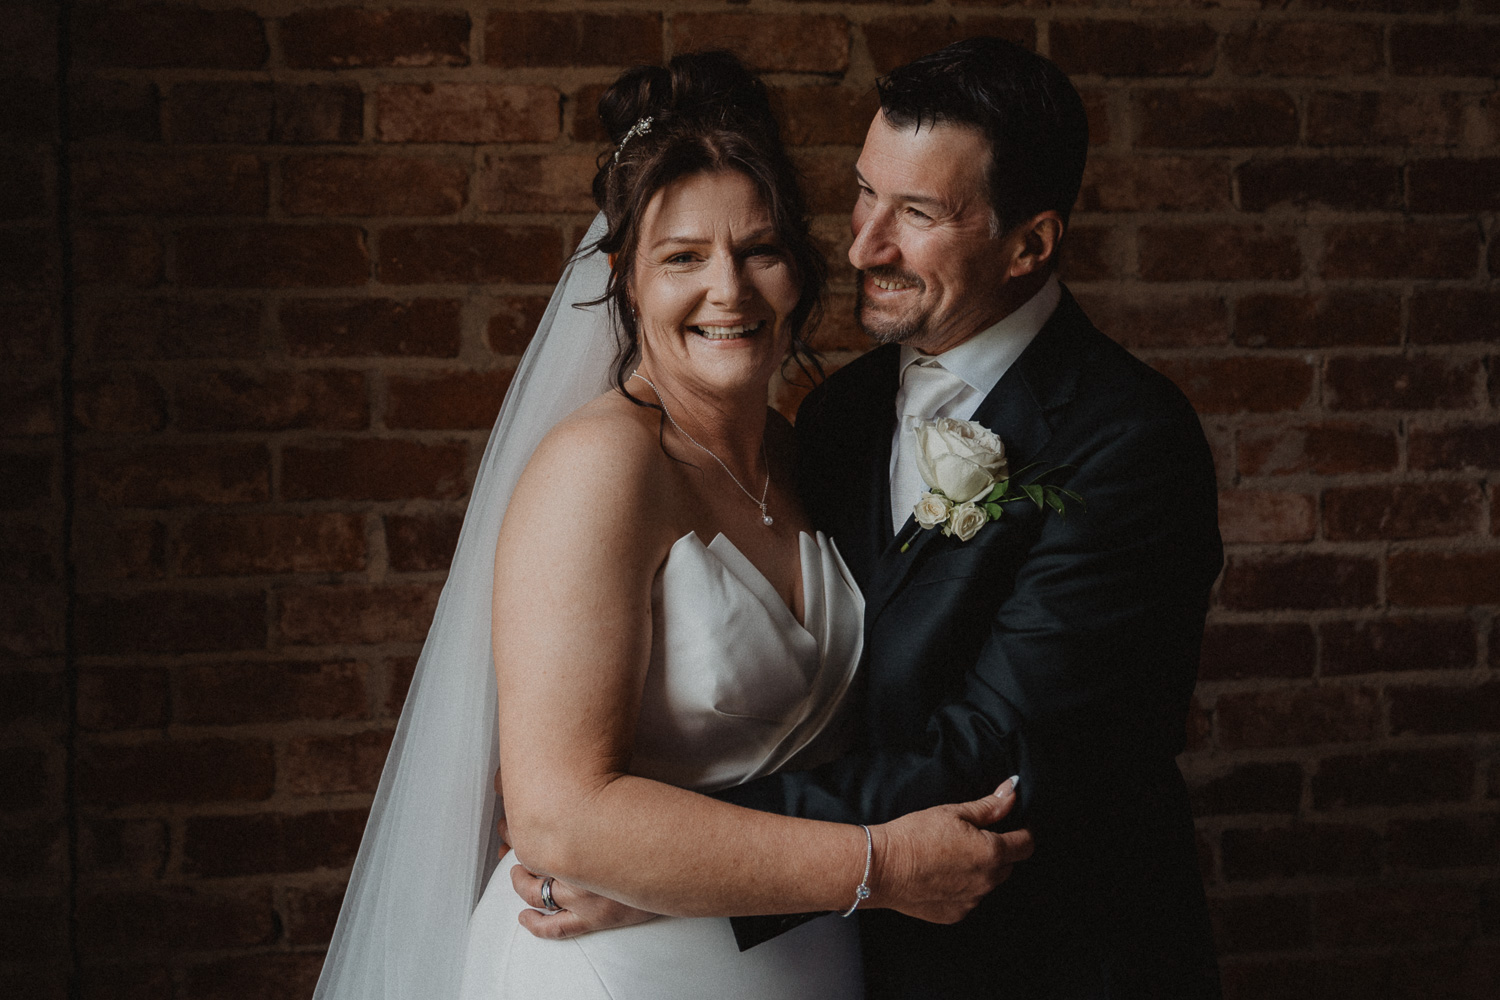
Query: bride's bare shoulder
609	444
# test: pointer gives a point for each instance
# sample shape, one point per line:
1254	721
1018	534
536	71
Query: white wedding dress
736	688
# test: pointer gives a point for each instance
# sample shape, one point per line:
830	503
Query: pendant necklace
765	518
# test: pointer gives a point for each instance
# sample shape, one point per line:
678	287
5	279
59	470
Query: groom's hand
581	912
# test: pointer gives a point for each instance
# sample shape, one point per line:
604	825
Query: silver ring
548	903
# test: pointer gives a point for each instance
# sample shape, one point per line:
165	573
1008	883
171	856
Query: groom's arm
1089	663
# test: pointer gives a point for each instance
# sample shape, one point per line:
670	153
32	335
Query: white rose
959	458
966	520
932	510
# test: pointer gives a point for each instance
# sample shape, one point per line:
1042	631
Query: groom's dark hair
1024	105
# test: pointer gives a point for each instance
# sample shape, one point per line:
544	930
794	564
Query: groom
1062	647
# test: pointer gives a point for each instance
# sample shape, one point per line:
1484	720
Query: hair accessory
862	891
641	127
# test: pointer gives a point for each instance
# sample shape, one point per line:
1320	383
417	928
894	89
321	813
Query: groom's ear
1034	243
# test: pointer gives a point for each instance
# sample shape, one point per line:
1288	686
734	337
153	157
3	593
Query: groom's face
933	272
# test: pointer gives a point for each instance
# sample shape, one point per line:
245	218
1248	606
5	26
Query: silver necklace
765	518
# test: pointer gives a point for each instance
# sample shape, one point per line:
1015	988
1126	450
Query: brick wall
305	246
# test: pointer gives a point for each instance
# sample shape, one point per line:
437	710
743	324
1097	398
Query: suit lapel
1041	380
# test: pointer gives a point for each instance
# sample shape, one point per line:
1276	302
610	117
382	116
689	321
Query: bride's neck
732	425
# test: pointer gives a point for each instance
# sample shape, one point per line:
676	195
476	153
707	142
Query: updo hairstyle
708	113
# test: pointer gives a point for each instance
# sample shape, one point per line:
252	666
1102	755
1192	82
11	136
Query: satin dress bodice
736	688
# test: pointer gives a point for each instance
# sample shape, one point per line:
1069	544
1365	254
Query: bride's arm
583	538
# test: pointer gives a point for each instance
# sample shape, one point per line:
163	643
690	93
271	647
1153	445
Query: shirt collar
982	359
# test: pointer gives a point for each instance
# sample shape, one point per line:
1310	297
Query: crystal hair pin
641	127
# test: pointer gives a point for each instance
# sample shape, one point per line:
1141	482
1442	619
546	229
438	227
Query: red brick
213	770
1261	923
174	919
1266	516
33	854
1381	6
827	178
895	41
1093	253
1455	185
1329	449
1216	252
171	622
1298	717
271	842
238	544
221	111
347	38
25	779
1304	581
1343	183
27	330
1432	709
1454	316
372	185
111	698
1159	321
255	977
32	553
374	469
515	38
583	106
1096	106
1433	579
1469	969
1202	119
127	402
25	480
1122	48
1407	510
146	981
788	43
401	671
169	35
1396	915
1445	842
29	47
112	548
1467	49
1249	788
1153	184
318	113
1397	644
1384	118
553	182
31	621
1401	250
1455	447
470	254
839	330
1241	385
273	257
320	328
114	109
127	183
467	112
1330	319
117	255
28	109
330	765
272	400
1323	849
824	114
28	406
140	329
1410	382
281	691
36	928
421	542
30	698
25	194
459	400
28	260
310	912
1393	778
169	476
513	322
122	847
358	614
1305	48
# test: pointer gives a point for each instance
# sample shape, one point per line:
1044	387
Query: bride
665	623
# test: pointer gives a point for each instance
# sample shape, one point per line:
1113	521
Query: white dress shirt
979	363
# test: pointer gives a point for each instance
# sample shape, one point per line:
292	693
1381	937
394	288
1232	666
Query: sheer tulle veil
430	844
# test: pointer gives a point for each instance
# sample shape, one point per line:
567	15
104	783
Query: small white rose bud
966	520
932	510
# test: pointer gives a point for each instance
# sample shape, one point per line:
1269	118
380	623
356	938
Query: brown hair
708	113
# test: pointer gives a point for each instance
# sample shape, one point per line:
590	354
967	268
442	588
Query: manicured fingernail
1015	782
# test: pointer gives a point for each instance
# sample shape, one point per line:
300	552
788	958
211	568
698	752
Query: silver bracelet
862	893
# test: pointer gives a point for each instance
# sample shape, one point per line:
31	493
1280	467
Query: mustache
887	273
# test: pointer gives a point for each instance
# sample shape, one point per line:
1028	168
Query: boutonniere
969	479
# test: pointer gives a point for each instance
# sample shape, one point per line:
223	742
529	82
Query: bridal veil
430	845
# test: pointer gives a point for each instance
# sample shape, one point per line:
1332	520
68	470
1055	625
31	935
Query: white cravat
926	387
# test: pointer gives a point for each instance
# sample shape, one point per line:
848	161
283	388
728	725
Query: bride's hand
939	863
581	912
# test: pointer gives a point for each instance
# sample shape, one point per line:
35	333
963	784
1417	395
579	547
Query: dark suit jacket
1060	648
